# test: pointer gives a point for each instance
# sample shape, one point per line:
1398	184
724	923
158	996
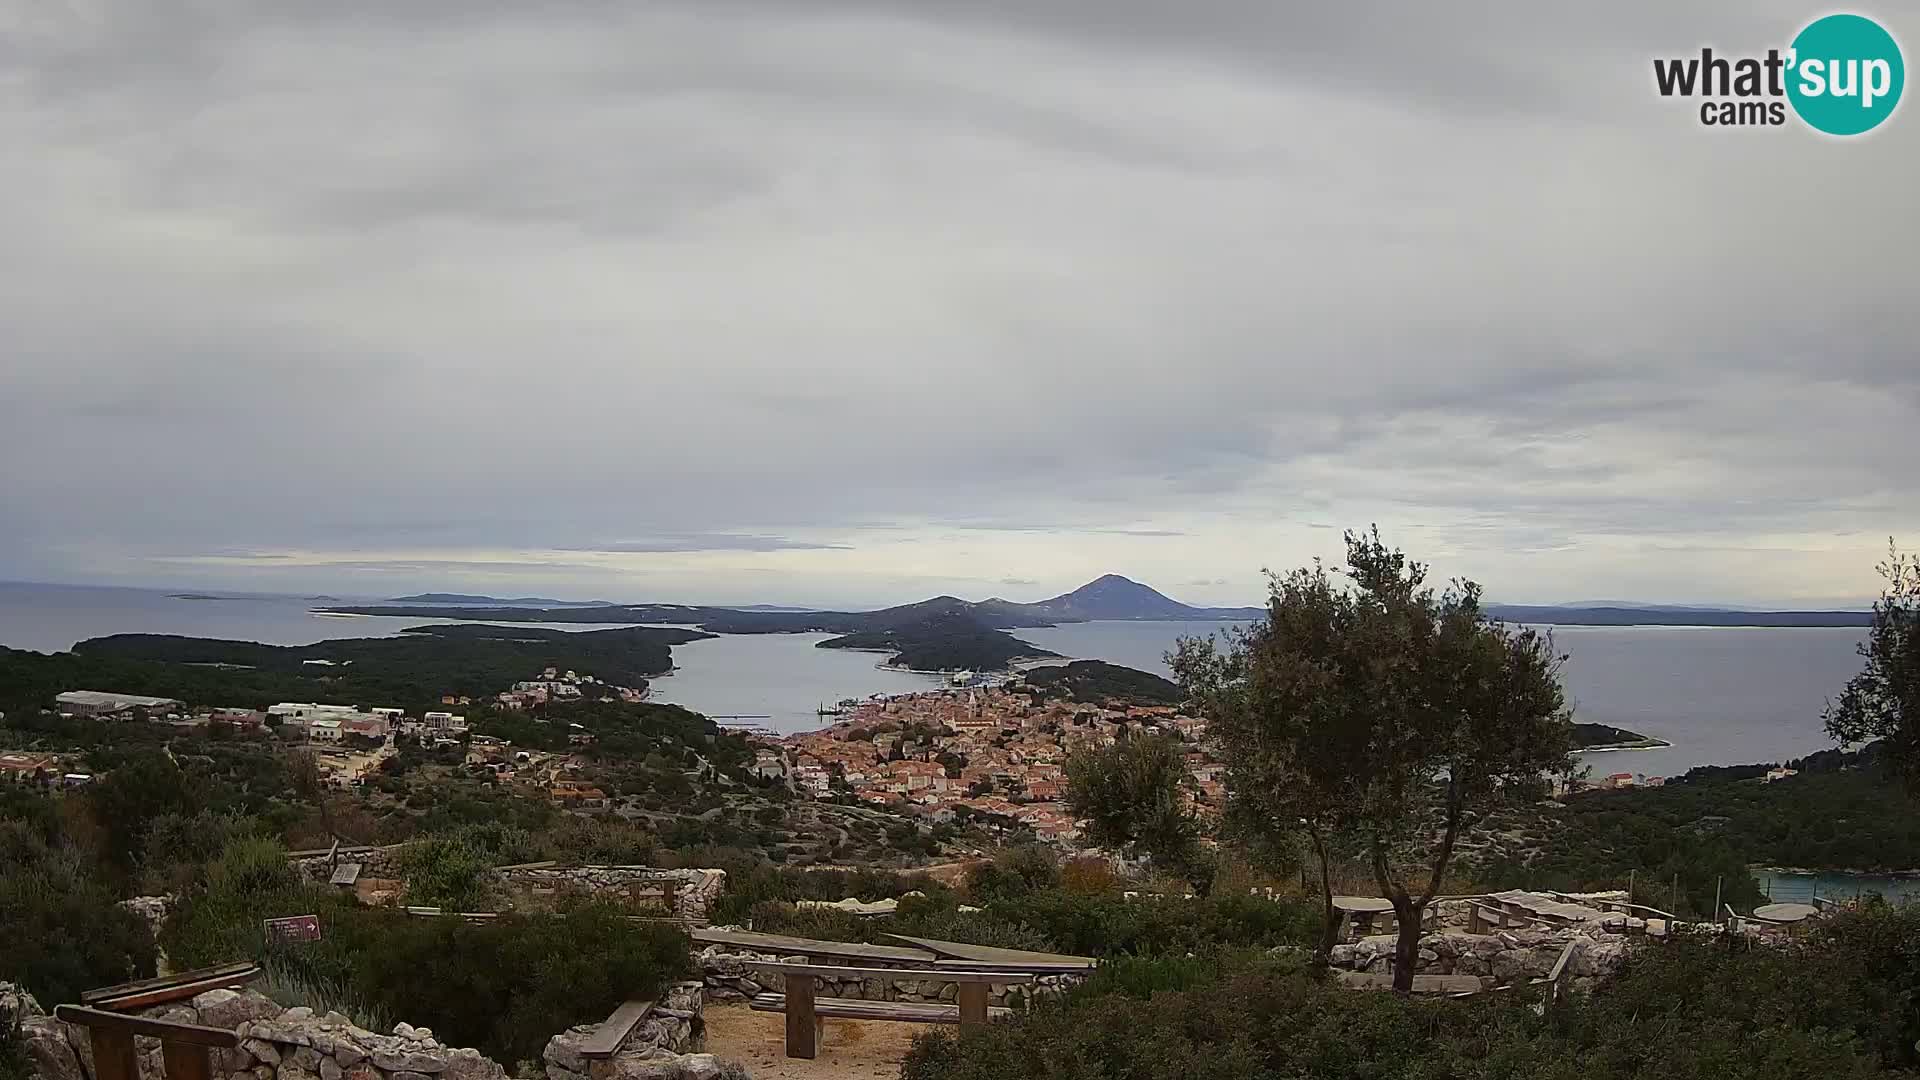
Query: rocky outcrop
49	1053
1500	959
151	910
664	1046
724	971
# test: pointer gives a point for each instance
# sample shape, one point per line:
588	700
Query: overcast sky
855	301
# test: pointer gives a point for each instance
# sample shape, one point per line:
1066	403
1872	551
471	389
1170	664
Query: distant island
193	596
946	633
471	600
414	670
1603	737
947	638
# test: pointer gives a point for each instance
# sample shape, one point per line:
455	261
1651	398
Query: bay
1720	695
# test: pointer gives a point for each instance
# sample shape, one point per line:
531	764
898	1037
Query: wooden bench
179	986
804	1010
183	1047
606	1039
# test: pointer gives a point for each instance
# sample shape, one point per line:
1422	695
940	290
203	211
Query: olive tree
1375	714
1883	701
1129	795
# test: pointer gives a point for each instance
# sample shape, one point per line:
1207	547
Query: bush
1838	1006
60	930
452	872
504	986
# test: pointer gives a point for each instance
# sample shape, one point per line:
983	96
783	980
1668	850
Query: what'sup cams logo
1842	76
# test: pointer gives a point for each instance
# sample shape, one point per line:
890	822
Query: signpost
293	928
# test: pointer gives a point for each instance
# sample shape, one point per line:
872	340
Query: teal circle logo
1845	74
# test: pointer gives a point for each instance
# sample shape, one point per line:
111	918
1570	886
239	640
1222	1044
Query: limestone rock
289	1071
262	1049
330	1069
398	1060
563	1050
470	1064
700	1067
52	1056
304	1058
405	1075
229	1009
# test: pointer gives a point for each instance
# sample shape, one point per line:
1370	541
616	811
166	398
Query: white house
326	730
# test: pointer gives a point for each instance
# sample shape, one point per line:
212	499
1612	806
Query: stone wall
275	1044
727	978
693	896
1499	959
694	890
375	862
665	1046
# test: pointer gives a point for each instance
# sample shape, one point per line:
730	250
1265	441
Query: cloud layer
850	300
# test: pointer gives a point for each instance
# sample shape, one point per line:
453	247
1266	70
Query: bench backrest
952	975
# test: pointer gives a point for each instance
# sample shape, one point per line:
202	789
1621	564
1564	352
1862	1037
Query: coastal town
995	755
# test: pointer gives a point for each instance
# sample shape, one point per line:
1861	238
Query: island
1097	682
1594	737
945	640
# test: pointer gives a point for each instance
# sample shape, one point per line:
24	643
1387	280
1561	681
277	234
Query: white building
331	731
307	710
440	721
103	703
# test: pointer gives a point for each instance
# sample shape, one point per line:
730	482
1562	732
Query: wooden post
184	1061
973	1004
803	1029
1717	882
667	891
113	1054
183	1047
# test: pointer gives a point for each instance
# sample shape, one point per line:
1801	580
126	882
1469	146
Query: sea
1718	695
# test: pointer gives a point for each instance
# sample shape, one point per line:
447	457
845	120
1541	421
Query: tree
1129	794
1375	715
1883	701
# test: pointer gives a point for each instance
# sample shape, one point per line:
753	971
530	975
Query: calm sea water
1720	695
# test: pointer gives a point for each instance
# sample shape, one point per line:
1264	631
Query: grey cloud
786	280
713	542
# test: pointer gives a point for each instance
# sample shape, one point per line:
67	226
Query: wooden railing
183	1047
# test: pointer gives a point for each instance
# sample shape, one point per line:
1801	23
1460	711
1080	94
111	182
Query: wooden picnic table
956	953
783	945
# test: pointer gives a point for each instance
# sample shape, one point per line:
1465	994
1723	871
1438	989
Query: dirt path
850	1049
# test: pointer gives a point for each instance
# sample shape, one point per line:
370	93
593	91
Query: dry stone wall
1499	959
724	971
275	1044
665	1046
694	891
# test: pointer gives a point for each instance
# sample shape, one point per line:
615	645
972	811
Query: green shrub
1686	1010
451	871
61	931
504	986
